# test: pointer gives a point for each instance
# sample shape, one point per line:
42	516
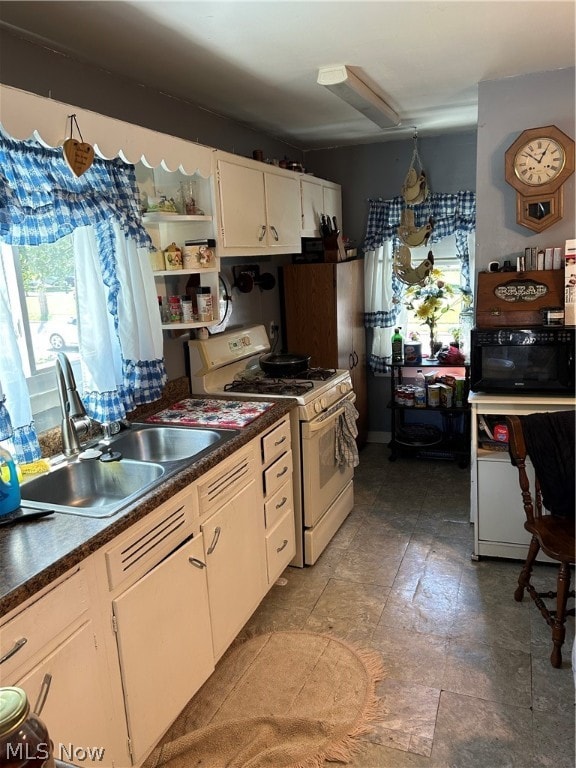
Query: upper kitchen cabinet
319	197
259	209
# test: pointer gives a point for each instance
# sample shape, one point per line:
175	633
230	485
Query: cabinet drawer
217	487
277	505
277	474
30	631
147	543
280	546
276	442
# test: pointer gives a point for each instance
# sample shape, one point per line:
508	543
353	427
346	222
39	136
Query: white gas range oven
228	364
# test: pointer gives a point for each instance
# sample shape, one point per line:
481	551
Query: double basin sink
133	463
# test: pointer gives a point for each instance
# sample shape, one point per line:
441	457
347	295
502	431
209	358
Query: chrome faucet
75	420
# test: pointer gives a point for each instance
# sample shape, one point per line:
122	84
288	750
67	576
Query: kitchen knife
336	230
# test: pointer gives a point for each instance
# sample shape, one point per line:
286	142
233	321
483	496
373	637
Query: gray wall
506	108
378	170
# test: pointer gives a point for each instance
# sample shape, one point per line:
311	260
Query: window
445	260
42	295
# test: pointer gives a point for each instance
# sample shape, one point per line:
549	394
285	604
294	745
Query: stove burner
316	374
265	386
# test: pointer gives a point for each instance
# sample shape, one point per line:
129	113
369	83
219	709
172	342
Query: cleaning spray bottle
9	486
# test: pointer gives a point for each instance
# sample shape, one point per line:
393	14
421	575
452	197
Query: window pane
50	298
41	290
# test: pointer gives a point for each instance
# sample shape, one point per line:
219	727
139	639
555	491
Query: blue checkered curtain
41	201
451	213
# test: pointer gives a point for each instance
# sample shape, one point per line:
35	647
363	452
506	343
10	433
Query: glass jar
24	739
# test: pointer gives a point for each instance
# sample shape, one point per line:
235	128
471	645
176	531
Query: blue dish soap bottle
9	486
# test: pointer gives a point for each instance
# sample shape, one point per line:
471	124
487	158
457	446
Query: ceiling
257	62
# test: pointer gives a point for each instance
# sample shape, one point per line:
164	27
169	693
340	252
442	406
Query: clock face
539	161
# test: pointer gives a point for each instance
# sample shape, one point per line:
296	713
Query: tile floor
468	681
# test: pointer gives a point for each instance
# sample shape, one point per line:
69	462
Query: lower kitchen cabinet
54	647
75	712
235	556
164	643
496	502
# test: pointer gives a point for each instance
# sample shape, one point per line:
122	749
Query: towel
549	439
345	449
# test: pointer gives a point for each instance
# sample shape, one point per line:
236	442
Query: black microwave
534	361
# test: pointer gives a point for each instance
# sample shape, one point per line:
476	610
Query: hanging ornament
415	188
412	235
404	270
78	155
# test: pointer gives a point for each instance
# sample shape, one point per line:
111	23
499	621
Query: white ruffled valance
25	115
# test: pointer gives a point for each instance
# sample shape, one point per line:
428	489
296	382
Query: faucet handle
110	428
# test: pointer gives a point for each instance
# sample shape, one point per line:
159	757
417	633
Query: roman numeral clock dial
537	165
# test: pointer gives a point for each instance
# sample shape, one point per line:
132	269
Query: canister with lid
24	738
204	301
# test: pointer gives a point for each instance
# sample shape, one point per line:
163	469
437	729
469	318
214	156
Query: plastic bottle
397	346
9	486
420	389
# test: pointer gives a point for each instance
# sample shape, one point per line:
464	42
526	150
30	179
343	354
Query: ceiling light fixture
350	88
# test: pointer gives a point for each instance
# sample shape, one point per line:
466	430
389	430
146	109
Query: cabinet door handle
280	474
15	648
284	545
355	358
282	502
279	442
215	538
275	233
350	361
196	563
262	233
43	695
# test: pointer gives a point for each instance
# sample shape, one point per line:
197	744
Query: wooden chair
551	532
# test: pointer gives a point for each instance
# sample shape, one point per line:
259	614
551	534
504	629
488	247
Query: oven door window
323	480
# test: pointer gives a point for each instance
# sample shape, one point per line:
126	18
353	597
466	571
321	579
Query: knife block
334	250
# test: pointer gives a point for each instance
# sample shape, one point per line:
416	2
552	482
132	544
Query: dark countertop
34	553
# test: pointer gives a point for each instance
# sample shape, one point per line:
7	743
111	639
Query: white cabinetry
277	477
319	197
259	208
232	524
167	228
55	643
160	615
496	503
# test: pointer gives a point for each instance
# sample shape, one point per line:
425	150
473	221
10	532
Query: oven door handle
317	424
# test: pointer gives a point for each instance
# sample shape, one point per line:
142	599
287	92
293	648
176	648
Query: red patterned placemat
225	414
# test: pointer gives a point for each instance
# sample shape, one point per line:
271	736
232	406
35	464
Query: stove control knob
345	388
323	403
317	406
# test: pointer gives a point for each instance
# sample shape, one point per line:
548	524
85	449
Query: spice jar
24	739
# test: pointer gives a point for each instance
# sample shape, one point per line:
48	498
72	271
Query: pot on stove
284	365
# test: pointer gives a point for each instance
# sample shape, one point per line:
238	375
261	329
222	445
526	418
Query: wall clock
537	165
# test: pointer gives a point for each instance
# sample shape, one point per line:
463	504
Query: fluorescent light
348	86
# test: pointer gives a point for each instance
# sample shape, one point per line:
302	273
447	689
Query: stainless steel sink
91	488
148	454
162	444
